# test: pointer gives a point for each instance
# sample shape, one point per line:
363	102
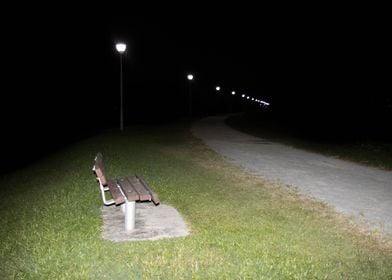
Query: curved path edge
353	189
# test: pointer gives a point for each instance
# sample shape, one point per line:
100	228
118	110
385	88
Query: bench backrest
100	169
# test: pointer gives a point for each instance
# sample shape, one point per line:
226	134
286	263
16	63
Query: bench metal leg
130	214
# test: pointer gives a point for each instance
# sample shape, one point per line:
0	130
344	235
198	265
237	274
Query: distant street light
217	88
121	47
190	78
233	92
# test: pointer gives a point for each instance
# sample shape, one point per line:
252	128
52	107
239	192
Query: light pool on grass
241	227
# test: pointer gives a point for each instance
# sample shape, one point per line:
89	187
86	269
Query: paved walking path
351	188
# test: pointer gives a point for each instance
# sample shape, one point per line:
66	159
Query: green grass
242	228
371	153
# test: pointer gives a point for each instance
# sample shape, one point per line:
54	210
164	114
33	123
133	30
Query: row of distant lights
218	88
121	47
247	97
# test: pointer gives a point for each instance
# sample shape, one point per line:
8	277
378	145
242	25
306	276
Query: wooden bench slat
144	194
101	176
115	192
100	169
129	191
154	196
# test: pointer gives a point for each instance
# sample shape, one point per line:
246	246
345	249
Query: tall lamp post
190	78
216	105
121	47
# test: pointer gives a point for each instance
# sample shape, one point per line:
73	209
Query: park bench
124	191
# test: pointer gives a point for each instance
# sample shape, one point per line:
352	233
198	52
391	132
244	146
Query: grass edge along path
242	227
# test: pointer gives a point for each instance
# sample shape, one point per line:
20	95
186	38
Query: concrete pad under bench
152	223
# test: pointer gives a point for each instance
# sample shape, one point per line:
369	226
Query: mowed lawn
241	227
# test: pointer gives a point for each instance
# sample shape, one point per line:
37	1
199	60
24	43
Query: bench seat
135	189
115	192
125	191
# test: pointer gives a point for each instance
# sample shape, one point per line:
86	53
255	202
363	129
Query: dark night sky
61	71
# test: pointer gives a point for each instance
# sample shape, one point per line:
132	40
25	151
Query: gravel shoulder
352	189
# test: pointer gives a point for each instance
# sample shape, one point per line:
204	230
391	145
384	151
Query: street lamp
217	88
190	78
121	47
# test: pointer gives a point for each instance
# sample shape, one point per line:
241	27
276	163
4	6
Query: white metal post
121	95
130	214
190	99
121	47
